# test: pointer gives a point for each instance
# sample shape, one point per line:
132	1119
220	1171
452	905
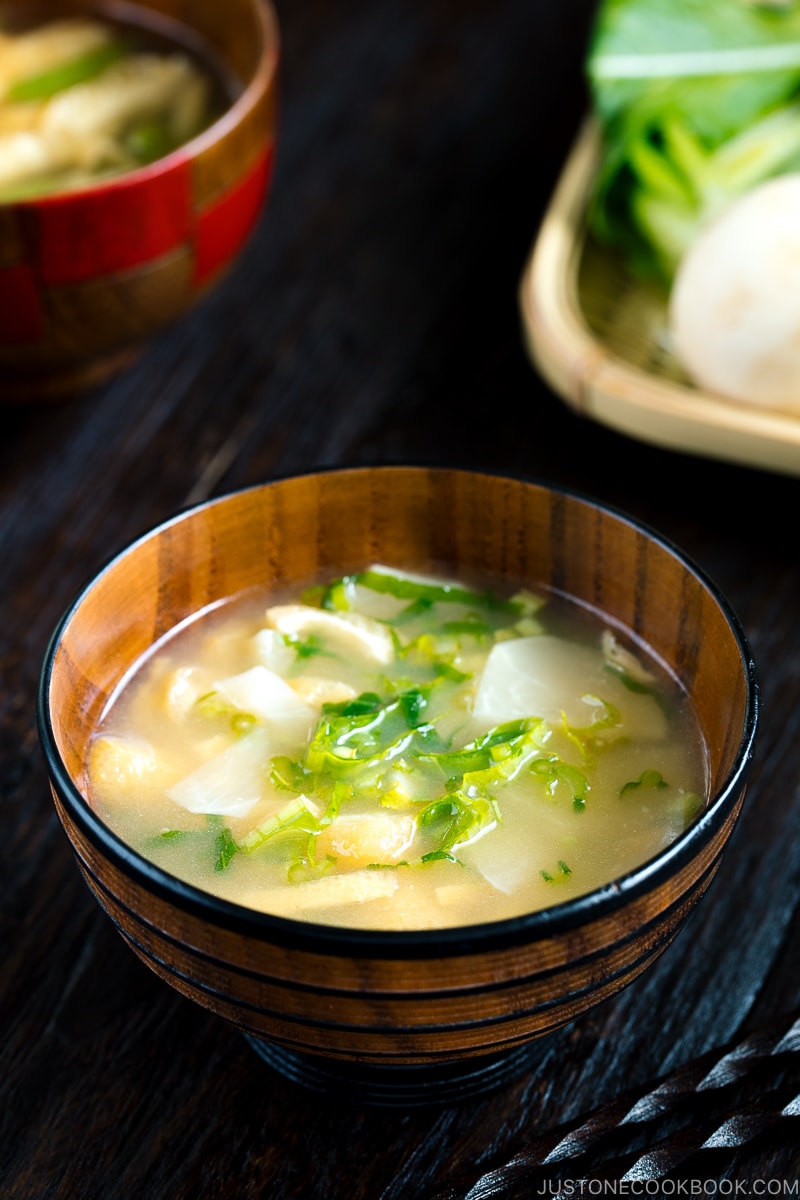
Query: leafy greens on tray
698	102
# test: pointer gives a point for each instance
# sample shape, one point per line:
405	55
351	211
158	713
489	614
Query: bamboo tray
599	338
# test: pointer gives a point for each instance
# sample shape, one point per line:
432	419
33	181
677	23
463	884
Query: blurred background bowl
88	276
399	1017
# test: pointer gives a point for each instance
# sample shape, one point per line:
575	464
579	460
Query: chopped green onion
354	739
477	755
242	723
559	776
149	141
414	589
333	597
225	846
637	686
451	674
308	647
417	608
463	817
471	627
211	704
297	816
288	775
66	75
306	867
647	779
693	805
561	874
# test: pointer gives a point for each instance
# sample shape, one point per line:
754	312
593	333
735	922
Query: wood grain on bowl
86	277
400	998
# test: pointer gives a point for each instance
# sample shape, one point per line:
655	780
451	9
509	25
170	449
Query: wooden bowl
399	1017
88	276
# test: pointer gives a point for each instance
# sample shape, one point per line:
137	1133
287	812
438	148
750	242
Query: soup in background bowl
84	99
402	1008
137	146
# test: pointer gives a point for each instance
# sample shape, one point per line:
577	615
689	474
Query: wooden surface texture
374	319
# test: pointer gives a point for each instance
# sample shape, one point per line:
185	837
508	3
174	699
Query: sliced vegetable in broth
399	752
83	99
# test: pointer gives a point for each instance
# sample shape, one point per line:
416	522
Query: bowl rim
259	82
450	941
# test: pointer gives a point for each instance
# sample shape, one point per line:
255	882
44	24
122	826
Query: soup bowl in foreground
89	275
405	1016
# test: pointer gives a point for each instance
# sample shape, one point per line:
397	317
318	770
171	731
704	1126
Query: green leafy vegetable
296	816
412	612
353	737
213	706
288	775
308	647
66	75
242	723
459	818
693	805
562	778
647	779
637	686
559	876
149	141
225	848
502	742
696	102
413	589
215	842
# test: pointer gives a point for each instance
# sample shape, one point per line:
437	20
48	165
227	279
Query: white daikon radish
231	783
546	676
272	651
263	694
735	302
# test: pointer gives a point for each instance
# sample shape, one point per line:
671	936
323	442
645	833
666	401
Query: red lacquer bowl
88	276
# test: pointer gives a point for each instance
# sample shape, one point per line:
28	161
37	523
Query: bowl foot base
401	1086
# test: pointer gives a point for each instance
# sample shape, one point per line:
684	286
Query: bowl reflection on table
87	276
399	1017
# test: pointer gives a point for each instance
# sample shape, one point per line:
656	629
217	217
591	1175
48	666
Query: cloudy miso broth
395	751
84	98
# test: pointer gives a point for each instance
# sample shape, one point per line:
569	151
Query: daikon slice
272	651
546	676
231	783
266	696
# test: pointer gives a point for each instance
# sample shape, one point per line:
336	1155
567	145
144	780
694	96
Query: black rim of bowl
450	941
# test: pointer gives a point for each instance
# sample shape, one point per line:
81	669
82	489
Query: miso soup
83	98
395	751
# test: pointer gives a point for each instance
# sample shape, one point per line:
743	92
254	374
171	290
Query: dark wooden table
374	320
